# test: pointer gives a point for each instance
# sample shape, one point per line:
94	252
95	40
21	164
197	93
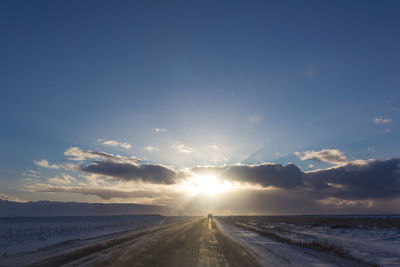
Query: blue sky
229	81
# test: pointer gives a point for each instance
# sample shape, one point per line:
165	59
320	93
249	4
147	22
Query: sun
205	184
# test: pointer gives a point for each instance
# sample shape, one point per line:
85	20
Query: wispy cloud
31	173
116	144
381	120
150	148
77	154
333	156
5	197
63	179
159	130
182	148
45	164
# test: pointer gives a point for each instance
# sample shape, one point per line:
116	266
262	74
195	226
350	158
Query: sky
258	107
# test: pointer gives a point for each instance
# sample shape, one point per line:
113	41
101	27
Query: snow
31	238
268	251
375	242
374	245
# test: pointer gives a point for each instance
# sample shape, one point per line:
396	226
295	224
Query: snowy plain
273	240
318	241
25	240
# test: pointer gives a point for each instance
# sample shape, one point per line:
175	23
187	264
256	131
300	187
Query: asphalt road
196	242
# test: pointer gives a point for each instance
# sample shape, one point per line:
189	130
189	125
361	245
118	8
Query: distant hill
52	208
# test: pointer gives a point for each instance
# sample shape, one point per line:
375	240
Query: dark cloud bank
150	173
264	174
368	180
358	186
376	179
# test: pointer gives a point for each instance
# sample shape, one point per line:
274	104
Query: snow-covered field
29	237
274	240
367	239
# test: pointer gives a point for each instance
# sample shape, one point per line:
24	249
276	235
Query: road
196	242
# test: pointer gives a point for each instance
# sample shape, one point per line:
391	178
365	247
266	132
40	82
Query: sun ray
205	184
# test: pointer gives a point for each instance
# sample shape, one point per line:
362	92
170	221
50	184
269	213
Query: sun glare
206	184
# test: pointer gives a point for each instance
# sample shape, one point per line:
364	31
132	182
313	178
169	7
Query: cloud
149	173
255	118
31	173
358	185
357	180
5	197
120	167
103	193
35	173
265	174
373	179
183	148
381	120
333	156
337	181
373	187
45	164
77	154
116	143
159	130
150	148
63	179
